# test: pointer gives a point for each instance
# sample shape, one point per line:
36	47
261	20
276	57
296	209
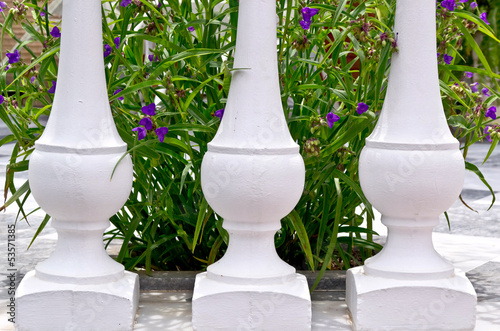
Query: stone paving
472	244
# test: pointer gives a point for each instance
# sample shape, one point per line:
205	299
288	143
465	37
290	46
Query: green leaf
448	91
493	144
356	188
188	166
19	166
299	228
40	229
215	250
333	236
458	121
23	189
472	167
129	233
472	43
203	216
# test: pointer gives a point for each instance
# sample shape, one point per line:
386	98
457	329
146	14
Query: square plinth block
47	306
235	307
377	303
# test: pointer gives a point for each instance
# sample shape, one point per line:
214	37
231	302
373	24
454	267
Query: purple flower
125	3
2	6
473	5
107	50
191	28
469	74
308	13
491	113
161	132
141	132
116	92
366	27
305	24
2	99
449	4
463	1
485	91
117	42
362	107
153	58
13	57
42	13
32	79
487	133
52	89
395	42
219	113
473	87
447	58
483	17
7	68
149	109
56	33
146	122
331	118
383	36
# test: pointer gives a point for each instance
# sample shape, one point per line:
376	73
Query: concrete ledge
333	280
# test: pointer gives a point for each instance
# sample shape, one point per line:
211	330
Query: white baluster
252	175
79	286
411	170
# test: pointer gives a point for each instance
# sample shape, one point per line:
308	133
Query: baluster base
378	303
49	306
221	306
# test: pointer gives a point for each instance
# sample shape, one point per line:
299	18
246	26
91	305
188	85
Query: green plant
469	104
339	62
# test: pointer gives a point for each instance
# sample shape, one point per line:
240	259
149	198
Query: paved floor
472	244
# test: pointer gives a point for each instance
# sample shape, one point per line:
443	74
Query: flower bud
311	147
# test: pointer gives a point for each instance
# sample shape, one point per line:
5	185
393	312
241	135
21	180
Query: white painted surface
50	306
380	304
411	170
252	175
71	178
254	122
81	101
252	200
236	307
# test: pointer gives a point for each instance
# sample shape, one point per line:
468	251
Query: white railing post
411	170
70	174
252	175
